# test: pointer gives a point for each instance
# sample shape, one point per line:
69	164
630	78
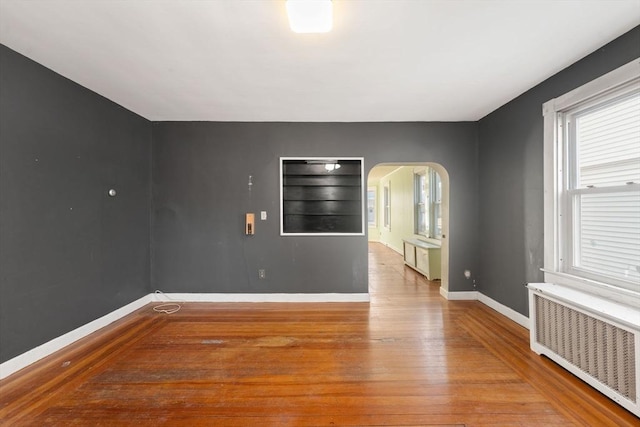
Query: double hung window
428	203
594	216
371	206
387	206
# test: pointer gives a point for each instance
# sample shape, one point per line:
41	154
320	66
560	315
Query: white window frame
555	235
430	203
436	201
386	202
374	223
418	175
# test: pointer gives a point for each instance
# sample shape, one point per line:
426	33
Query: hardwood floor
407	358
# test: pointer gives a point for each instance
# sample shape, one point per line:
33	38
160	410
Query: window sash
371	207
387	206
436	203
592	163
428	203
595	242
602	234
421	196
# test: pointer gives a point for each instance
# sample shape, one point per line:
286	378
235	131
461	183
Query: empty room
320	212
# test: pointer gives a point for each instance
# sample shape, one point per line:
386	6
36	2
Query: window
436	204
371	206
428	203
592	163
321	196
387	206
421	193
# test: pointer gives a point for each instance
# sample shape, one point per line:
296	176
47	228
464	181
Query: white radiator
595	339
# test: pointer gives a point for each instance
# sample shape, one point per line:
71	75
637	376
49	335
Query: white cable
167	308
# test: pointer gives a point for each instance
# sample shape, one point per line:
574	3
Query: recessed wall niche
321	196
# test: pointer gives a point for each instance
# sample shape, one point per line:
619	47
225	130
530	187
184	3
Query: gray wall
200	192
68	252
511	183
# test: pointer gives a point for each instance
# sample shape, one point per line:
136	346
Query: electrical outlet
261	273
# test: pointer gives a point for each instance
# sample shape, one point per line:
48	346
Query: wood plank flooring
407	358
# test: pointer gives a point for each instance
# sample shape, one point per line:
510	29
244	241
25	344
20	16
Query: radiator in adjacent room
595	339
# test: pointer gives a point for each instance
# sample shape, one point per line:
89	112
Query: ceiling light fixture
310	16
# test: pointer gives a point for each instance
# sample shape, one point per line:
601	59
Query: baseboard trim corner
23	360
459	296
520	319
489	302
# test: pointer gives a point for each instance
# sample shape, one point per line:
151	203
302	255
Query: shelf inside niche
320	199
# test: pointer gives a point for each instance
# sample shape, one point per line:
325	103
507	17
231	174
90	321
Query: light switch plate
263	215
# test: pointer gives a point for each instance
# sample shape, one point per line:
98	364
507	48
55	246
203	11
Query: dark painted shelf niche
316	200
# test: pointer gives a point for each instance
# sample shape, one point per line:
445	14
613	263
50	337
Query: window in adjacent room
436	204
592	139
386	199
428	203
371	206
421	195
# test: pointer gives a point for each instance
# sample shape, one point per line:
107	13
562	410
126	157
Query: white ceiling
385	60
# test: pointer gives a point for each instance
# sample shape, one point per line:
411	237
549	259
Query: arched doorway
392	194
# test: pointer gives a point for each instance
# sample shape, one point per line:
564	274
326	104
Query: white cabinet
409	254
423	257
422	260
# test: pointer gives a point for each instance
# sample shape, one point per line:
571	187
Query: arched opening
410	201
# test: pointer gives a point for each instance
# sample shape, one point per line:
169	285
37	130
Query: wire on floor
168	307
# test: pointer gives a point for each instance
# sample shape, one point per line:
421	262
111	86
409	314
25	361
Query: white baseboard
489	302
520	319
25	359
400	251
459	296
393	248
197	297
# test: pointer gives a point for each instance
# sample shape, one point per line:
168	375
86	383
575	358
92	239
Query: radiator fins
601	350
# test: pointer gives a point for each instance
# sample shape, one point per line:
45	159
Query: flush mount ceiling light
310	16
